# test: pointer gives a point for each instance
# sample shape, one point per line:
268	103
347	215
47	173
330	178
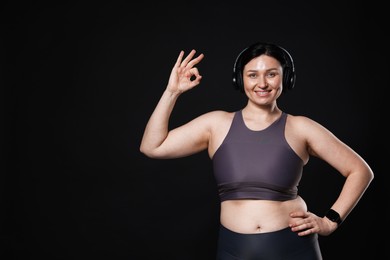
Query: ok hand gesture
184	74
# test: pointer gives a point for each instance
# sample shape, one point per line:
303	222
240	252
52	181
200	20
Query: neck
265	110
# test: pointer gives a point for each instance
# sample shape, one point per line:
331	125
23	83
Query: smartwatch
334	216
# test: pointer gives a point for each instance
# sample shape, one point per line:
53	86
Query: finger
301	221
305	232
303	229
195	61
196	81
299	225
194	76
188	58
179	58
298	214
194	72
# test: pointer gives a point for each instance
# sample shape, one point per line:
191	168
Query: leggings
282	244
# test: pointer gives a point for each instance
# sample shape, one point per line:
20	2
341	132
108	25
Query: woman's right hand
184	74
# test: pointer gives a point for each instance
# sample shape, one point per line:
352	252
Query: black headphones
288	64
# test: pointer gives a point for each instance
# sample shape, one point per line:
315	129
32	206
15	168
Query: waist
256	190
258	216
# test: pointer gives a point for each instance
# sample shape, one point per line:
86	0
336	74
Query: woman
258	154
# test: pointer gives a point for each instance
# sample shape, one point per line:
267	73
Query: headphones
282	55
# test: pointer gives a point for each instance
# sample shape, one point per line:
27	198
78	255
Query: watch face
334	216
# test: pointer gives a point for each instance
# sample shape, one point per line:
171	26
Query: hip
281	244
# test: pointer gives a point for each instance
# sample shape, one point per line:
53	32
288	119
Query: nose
262	82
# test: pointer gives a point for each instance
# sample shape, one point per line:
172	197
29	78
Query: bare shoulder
211	122
206	124
308	130
219	114
318	139
304	124
218	117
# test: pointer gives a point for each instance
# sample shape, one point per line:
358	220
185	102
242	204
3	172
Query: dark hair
268	49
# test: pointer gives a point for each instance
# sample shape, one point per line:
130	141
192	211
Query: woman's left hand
306	223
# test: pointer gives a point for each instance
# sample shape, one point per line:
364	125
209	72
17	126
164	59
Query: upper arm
323	144
187	139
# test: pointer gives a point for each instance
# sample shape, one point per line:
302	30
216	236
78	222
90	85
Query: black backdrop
81	79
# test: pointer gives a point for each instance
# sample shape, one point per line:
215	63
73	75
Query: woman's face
263	79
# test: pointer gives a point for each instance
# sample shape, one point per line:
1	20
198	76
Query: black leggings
282	244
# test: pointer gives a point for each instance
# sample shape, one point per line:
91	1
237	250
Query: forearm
156	129
353	189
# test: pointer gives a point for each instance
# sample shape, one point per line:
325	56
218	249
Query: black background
81	80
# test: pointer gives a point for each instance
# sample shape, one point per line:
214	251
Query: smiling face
263	80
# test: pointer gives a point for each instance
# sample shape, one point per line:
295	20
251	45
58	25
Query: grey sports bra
257	164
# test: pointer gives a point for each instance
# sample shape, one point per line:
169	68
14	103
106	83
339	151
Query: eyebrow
265	70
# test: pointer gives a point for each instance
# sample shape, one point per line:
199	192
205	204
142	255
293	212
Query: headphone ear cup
292	80
237	80
287	80
235	83
237	72
288	72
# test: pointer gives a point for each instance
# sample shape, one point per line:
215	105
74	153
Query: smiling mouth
262	92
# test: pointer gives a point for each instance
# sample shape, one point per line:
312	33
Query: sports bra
257	164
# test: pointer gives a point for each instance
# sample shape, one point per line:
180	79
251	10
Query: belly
258	216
